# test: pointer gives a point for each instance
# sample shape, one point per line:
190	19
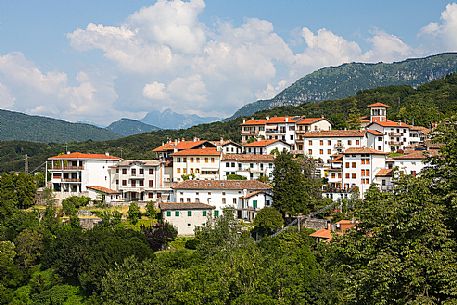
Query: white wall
185	223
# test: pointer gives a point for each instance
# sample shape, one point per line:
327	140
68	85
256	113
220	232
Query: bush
191	244
235	177
134	213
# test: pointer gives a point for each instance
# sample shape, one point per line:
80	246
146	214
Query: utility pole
26	164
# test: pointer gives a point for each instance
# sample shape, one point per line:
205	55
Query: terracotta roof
252	194
254	122
390	123
334	133
422	129
209	151
247	157
322	233
181	145
103	189
375	132
378	105
164	206
364	119
221	185
345	222
262	143
337	159
225	142
384	172
417	155
78	155
142	162
282	119
363	150
308	121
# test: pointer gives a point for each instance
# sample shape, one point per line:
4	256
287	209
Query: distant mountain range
169	119
338	82
127	127
20	126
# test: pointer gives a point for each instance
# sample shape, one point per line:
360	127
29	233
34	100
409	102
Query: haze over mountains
338	82
169	119
127	127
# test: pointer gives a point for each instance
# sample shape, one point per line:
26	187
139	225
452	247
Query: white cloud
155	91
6	98
387	48
442	36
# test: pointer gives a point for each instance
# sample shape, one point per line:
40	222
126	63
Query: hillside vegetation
339	82
428	103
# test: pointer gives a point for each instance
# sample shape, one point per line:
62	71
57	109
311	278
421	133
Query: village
194	179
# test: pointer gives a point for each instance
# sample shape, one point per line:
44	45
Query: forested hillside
20	126
428	103
127	127
338	82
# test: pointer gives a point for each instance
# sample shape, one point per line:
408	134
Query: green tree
235	177
353	121
267	221
159	235
151	210
29	247
134	213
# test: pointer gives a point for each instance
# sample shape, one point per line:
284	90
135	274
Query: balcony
275	131
395	143
338	146
395	134
76	180
249	133
66	168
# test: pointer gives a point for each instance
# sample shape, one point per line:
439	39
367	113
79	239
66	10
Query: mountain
20	126
127	127
168	119
338	82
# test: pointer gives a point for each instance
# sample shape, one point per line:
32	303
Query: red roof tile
262	143
181	145
78	155
308	121
390	123
282	119
334	133
208	151
103	189
221	185
375	132
322	233
378	105
254	122
385	172
363	150
417	155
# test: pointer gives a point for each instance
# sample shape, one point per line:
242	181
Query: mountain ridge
330	83
127	127
168	119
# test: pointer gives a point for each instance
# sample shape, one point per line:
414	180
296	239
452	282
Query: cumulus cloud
442	35
387	48
155	91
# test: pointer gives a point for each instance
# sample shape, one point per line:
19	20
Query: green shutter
177	213
255	204
204	213
168	213
189	213
216	213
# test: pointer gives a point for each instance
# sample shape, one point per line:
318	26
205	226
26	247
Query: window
329	142
151	171
212	160
254	204
310	151
380	139
124	182
354	175
227	164
181	200
133	172
321	151
189	213
168	213
349	142
178	160
332	175
204	213
223	193
124	171
216	213
151	183
234	200
150	195
117	182
198	160
357	142
184	159
184	170
141	171
354	164
310	142
367	172
178	170
362	172
346	175
141	183
209	193
340	175
329	151
224	201
206	160
346	165
191	159
177	213
133	183
233	164
321	142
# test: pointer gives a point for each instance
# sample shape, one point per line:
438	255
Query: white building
103	194
281	128
225	194
228	146
250	166
360	164
140	180
185	217
412	163
306	125
72	173
196	164
165	150
265	147
323	144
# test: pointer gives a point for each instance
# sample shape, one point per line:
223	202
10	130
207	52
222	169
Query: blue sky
103	60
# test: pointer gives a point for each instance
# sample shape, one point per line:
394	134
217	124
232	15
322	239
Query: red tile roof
79	156
103	189
262	143
254	122
282	119
252	194
375	132
378	105
248	157
390	123
208	151
166	206
308	121
417	155
363	150
422	129
322	233
385	172
181	145
334	133
221	185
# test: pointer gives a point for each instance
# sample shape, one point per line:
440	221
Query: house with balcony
165	151
196	164
250	166
141	180
72	173
245	196
252	130
265	147
306	125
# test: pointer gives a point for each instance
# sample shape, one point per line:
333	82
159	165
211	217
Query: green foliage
151	210
159	235
29	246
188	176
235	177
76	201
267	221
134	213
18	189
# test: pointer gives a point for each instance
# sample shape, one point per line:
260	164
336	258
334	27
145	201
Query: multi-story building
223	194
306	125
166	149
265	147
186	217
250	166
140	180
196	164
72	173
418	134
323	144
411	163
253	129
281	128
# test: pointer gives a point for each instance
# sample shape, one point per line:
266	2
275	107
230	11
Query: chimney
222	140
287	119
68	152
106	153
244	121
195	139
267	118
176	141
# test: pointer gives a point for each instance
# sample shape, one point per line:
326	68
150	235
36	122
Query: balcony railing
397	143
71	179
395	134
67	168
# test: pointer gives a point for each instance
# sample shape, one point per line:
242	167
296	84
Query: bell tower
378	112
